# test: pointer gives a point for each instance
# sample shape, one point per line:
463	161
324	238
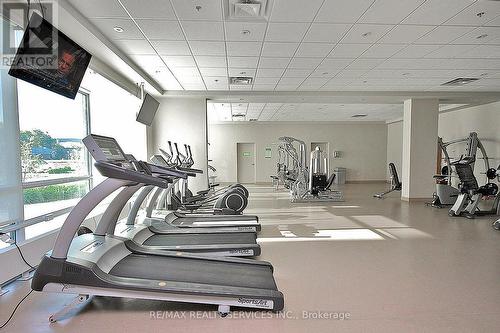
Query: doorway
246	163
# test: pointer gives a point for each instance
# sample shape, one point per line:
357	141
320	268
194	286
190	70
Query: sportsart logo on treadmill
260	303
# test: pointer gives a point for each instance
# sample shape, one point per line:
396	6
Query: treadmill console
107	149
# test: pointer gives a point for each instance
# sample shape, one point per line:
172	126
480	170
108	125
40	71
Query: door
246	163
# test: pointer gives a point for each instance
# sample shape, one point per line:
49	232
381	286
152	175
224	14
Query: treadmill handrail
82	209
111	170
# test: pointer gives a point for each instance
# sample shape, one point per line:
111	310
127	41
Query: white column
420	133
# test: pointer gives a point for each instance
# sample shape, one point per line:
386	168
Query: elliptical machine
471	193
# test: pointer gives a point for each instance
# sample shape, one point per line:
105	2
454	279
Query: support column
420	134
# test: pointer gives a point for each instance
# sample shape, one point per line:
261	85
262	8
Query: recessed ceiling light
480	14
245	32
198	8
366	34
482	36
118	29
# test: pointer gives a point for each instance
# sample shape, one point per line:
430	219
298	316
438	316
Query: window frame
19	230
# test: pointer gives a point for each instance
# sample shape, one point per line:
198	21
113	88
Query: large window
55	168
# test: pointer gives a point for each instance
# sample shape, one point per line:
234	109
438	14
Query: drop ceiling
326	45
249	112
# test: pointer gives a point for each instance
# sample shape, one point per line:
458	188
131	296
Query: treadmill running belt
194	271
201	239
177	217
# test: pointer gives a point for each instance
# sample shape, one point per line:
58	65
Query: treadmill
205	241
108	265
183	220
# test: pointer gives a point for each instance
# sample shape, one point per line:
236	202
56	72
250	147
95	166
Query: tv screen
148	110
48	58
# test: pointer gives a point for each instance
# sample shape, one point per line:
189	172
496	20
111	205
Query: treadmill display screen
110	148
160	159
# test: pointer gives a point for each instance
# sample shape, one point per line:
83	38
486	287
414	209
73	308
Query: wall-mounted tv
148	110
48	58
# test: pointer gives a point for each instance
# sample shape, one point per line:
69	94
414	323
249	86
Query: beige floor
389	265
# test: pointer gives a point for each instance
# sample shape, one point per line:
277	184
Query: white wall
484	119
363	146
395	146
183	120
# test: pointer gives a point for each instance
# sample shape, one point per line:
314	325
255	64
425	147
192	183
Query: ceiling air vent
241	80
252	119
359	116
460	81
246	9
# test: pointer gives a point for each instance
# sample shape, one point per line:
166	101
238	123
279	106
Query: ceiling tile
215	80
244	49
323	73
449	51
249	62
269	72
159	9
182	72
343	11
326	33
286	32
479	35
134	46
213	71
279	49
99	8
130	30
148	61
483	51
234	31
332	64
443	35
416	51
348	50
210	61
351	74
406	34
208	48
436	11
364	63
200	30
366	33
382	50
468	16
304	63
318	50
389	11
242	72
291	80
161	30
301	73
267	80
294	10
209	10
171	47
179	61
274	62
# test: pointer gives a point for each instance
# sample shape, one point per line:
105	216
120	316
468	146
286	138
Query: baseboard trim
415	199
369	181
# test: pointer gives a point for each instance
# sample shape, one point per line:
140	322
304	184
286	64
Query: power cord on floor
9	240
15	309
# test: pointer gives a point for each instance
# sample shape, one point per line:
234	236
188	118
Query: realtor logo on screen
24	26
